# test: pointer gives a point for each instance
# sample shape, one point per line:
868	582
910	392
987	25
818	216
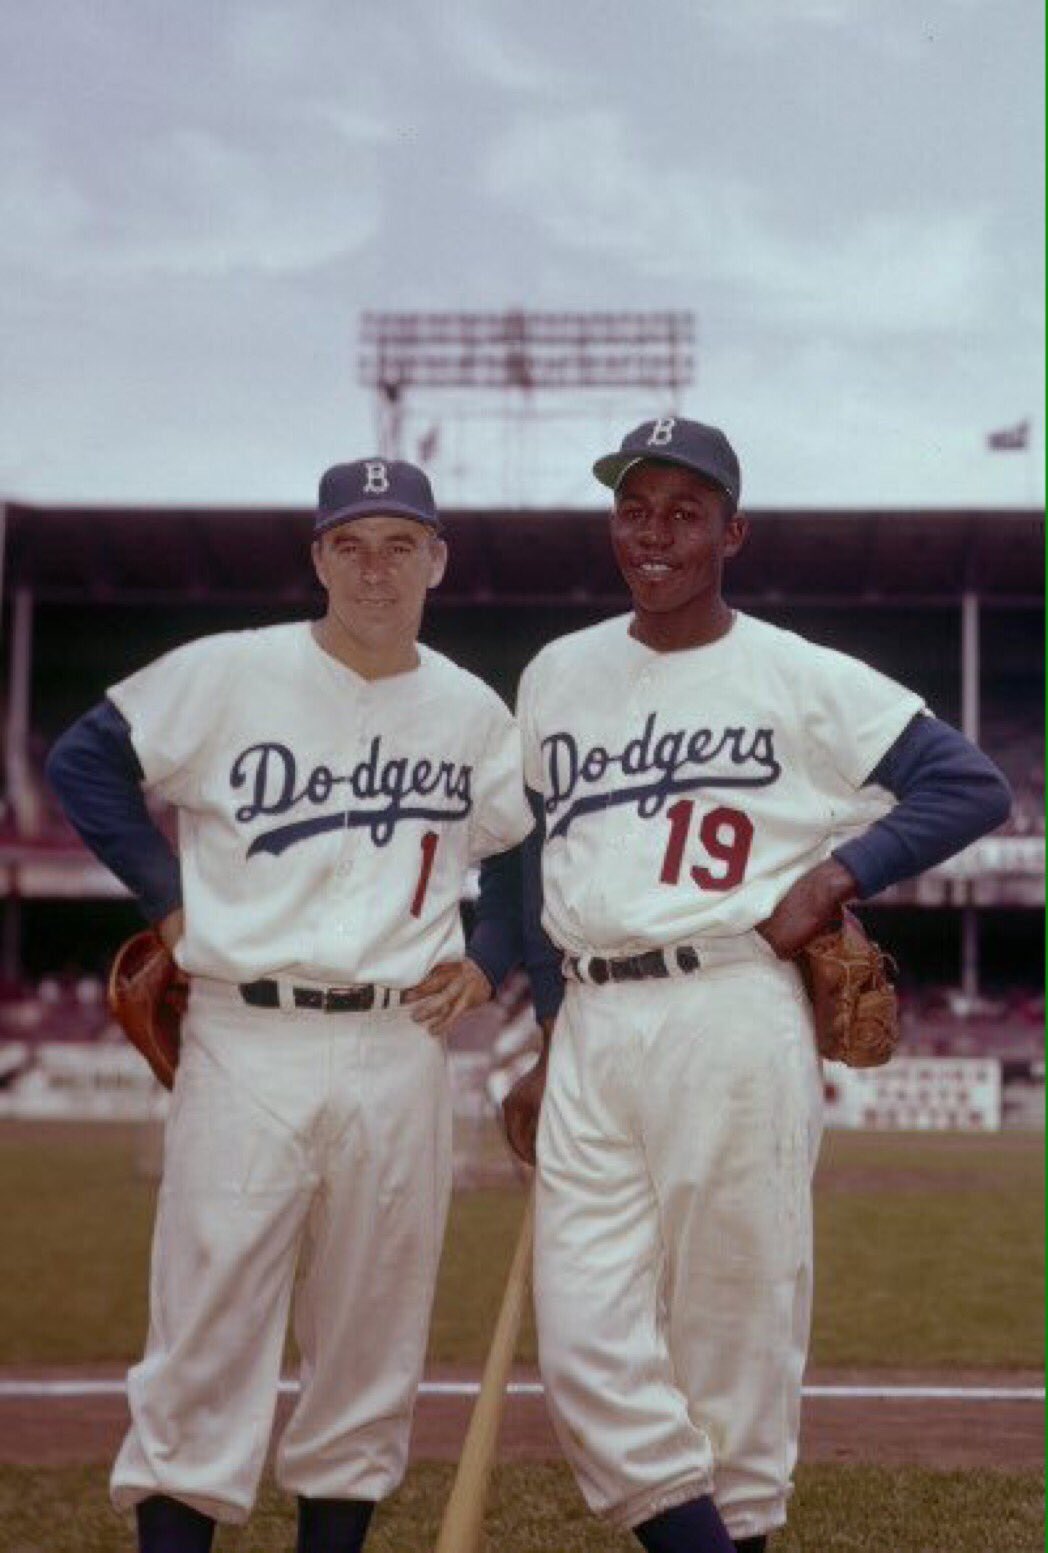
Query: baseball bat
462	1529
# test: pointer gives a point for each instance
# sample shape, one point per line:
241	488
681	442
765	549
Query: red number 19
727	835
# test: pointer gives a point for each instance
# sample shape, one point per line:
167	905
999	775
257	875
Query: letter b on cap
661	433
377	482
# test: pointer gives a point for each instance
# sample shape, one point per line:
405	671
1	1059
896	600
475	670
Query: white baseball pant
297	1142
673	1244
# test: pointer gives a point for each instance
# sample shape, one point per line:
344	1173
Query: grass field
929	1257
929	1251
536	1509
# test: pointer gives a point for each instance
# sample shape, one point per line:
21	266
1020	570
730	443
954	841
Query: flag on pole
1013	439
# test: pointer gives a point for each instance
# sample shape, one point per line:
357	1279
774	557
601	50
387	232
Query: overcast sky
197	201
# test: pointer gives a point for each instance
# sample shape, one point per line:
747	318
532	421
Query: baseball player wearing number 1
711	789
333	781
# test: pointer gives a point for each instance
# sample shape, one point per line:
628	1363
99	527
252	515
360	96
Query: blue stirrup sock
333	1525
695	1527
167	1525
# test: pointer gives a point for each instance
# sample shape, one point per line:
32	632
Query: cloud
41	206
189	200
190	143
888	274
492	49
195	203
757	23
595	189
899	31
355	124
577	175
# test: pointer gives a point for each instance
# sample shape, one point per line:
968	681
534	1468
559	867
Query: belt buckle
626	967
348	1000
653	963
650	964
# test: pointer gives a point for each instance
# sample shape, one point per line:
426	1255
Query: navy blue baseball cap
370	487
673	440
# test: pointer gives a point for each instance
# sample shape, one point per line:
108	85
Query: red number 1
429	847
727	835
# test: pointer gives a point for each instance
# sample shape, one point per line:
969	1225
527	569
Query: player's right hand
451	988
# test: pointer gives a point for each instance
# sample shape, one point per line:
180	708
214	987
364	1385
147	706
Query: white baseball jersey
326	822
685	791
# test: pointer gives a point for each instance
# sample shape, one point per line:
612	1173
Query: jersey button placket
639	693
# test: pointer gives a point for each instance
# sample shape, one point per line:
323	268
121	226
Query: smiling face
671	532
376	572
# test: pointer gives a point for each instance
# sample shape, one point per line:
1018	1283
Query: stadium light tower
514	355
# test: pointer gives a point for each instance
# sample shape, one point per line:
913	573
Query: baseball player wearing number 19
712	789
333	781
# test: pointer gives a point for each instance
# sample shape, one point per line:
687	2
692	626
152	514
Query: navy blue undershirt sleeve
949	795
508	924
97	777
495	941
542	958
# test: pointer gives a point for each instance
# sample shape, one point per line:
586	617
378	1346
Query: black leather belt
633	967
324	1000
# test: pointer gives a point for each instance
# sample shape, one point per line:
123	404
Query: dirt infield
957	1432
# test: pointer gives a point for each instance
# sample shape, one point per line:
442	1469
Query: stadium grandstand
950	602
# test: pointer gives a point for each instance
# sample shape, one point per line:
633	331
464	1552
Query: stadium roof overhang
520	558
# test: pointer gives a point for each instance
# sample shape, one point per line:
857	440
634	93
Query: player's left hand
451	989
810	904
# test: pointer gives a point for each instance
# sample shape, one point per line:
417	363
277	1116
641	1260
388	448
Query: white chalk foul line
42	1390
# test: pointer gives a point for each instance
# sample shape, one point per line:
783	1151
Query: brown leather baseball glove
855	1006
147	998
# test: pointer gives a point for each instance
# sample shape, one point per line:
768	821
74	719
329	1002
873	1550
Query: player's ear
438	560
736	533
319	562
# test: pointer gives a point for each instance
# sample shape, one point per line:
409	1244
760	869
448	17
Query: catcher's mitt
147	998
856	1010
